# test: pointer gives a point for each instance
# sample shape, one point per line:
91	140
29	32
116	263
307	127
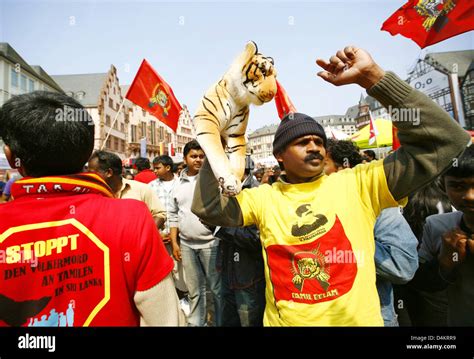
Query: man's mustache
313	156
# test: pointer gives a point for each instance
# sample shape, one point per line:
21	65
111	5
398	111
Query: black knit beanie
296	125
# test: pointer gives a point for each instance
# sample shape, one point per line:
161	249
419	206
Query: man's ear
9	155
109	173
278	156
13	161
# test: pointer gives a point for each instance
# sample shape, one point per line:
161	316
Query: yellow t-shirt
318	246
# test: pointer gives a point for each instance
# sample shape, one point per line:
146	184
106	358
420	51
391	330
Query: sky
192	43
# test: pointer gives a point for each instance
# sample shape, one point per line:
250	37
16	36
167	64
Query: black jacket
240	252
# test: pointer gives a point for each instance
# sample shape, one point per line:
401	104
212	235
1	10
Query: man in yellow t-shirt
317	231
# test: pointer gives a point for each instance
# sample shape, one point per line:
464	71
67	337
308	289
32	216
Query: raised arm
210	205
430	138
429	142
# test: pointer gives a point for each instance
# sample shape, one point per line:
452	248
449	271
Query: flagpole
112	125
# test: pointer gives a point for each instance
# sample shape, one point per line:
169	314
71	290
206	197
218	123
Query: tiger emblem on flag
431	10
223	113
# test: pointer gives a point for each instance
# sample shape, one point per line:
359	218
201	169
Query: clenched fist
351	66
454	247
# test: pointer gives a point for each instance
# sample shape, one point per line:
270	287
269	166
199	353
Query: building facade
467	91
186	132
145	131
18	77
339	123
260	142
121	126
118	128
101	96
360	113
440	76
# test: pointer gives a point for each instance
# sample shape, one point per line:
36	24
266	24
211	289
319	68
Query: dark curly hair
343	152
464	165
429	200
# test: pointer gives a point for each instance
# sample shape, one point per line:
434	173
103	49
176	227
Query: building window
23	82
143	129
31	85
14	75
116	143
134	133
111	103
107	120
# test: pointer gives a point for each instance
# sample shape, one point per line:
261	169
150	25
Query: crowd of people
331	237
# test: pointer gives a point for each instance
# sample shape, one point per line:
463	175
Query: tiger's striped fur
224	111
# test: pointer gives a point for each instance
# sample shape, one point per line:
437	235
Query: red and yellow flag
283	103
430	21
154	95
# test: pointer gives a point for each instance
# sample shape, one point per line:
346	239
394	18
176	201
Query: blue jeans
199	267
396	258
243	307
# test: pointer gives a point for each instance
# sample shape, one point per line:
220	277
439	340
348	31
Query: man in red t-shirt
72	254
145	174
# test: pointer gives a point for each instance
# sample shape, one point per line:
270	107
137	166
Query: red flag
283	102
154	95
430	21
170	149
373	131
395	140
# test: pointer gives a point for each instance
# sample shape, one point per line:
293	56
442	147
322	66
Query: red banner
430	21
283	103
154	95
395	140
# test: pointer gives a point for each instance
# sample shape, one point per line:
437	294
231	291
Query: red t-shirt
73	256
145	176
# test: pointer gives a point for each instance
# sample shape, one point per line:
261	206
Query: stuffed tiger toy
224	111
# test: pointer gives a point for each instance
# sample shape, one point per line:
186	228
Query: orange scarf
79	183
